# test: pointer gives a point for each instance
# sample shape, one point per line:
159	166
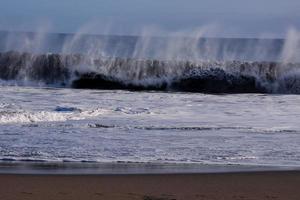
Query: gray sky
232	17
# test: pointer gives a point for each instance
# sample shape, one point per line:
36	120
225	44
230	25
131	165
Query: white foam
46	116
95	125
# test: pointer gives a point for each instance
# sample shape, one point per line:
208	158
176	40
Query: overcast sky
232	17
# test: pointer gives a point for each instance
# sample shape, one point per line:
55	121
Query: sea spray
81	71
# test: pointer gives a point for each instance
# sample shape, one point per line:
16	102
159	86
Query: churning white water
108	126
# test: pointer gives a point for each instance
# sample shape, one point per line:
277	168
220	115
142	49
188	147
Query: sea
79	98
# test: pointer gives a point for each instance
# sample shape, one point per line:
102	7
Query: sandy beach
211	186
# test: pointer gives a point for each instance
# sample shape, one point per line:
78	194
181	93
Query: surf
84	71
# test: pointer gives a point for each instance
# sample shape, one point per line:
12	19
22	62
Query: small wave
159	128
236	158
156	128
198	128
134	111
274	130
192	128
100	126
20	159
7	117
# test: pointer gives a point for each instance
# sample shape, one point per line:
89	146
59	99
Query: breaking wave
80	71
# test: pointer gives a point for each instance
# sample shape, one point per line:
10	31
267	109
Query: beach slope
214	186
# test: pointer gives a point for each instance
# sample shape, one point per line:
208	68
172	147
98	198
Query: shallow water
53	124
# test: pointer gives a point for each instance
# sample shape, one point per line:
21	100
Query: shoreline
111	168
231	186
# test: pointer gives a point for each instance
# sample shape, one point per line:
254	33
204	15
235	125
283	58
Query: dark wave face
80	71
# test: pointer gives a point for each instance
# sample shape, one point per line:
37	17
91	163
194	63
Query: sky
235	18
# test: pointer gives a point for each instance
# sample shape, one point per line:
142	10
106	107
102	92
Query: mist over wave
176	62
192	46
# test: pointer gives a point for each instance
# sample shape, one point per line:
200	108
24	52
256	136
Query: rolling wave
81	71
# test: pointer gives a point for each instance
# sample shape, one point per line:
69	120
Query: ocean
111	99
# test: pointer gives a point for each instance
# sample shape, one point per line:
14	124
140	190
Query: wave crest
80	71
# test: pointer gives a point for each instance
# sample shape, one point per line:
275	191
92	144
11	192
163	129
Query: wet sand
283	185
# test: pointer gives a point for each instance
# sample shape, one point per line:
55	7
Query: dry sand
231	186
